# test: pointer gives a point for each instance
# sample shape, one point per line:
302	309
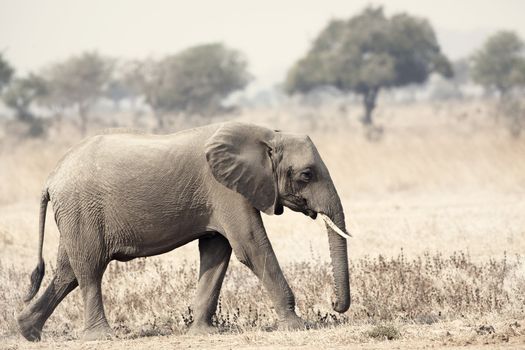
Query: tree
20	95
78	82
194	81
122	84
367	53
145	78
500	63
6	72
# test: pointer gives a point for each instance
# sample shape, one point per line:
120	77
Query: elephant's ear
239	158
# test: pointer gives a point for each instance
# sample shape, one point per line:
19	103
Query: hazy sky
273	34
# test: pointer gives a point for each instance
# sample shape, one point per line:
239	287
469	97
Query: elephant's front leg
252	247
215	255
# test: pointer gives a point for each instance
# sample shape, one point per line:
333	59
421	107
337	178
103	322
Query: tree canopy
78	82
369	52
194	81
20	95
500	63
6	72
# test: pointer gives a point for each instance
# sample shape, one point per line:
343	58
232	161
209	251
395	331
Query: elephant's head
273	169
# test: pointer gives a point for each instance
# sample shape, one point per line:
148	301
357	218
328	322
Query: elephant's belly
166	246
156	240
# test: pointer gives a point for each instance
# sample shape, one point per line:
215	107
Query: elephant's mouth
279	209
310	213
296	203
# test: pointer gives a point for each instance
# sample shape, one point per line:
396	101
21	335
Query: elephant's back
117	161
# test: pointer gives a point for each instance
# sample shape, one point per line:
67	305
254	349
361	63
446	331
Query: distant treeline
361	55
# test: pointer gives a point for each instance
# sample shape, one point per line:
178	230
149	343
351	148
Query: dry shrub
432	287
384	332
148	297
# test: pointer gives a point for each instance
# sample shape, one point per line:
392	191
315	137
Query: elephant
121	196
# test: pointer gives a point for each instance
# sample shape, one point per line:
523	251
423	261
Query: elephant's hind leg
89	274
88	258
96	324
32	319
215	255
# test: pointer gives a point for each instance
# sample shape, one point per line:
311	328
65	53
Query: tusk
334	227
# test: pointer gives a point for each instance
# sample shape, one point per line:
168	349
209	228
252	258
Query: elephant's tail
38	273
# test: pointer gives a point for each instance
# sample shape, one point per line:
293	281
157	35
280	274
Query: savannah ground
436	207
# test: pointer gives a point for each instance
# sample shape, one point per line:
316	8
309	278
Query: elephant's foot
98	333
202	328
30	325
292	322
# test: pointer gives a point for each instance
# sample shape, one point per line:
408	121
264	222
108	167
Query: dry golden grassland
436	207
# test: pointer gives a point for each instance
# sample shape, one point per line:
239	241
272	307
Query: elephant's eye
306	175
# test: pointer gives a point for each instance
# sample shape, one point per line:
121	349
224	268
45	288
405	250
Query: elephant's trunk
339	256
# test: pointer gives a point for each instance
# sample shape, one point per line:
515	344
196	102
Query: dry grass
436	208
150	297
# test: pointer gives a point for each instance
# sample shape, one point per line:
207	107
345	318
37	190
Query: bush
384	332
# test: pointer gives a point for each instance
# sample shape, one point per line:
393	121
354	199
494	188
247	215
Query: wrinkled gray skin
123	196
